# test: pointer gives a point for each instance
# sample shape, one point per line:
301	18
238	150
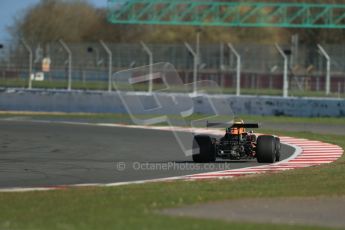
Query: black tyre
266	149
203	149
278	147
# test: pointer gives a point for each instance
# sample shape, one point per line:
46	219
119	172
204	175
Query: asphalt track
40	154
314	211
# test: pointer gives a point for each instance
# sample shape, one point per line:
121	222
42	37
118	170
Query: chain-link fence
262	66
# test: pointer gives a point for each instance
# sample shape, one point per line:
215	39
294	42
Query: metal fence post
110	63
27	47
285	79
328	69
69	52
221	64
198	46
195	68
149	53
238	69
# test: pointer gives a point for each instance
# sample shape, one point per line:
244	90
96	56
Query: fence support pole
28	49
221	64
328	69
198	46
238	69
110	63
69	52
285	79
195	68
150	54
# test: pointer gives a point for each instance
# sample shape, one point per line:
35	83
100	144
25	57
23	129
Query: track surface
319	211
51	154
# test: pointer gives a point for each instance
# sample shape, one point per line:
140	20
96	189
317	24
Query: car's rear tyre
278	147
266	149
203	149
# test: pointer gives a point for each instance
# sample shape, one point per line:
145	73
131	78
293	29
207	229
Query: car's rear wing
245	125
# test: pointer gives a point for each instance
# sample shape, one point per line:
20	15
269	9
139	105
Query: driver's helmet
235	130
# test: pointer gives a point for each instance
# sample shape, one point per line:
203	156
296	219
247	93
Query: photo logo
157	94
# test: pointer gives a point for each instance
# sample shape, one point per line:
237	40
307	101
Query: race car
237	144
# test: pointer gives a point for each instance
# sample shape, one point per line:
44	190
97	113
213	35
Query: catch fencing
261	71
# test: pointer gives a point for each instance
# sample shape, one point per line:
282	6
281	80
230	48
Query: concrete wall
105	102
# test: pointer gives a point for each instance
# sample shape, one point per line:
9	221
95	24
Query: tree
79	21
51	20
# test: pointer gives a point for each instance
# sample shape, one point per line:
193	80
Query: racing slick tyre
266	149
203	149
278	147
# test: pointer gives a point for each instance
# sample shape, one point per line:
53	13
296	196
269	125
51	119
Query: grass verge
103	85
125	118
135	206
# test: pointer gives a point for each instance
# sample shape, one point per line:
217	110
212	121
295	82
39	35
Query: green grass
137	206
125	118
99	85
90	85
286	119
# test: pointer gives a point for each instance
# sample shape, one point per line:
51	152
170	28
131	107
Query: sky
10	8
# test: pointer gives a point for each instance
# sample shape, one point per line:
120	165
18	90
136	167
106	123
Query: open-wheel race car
237	144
